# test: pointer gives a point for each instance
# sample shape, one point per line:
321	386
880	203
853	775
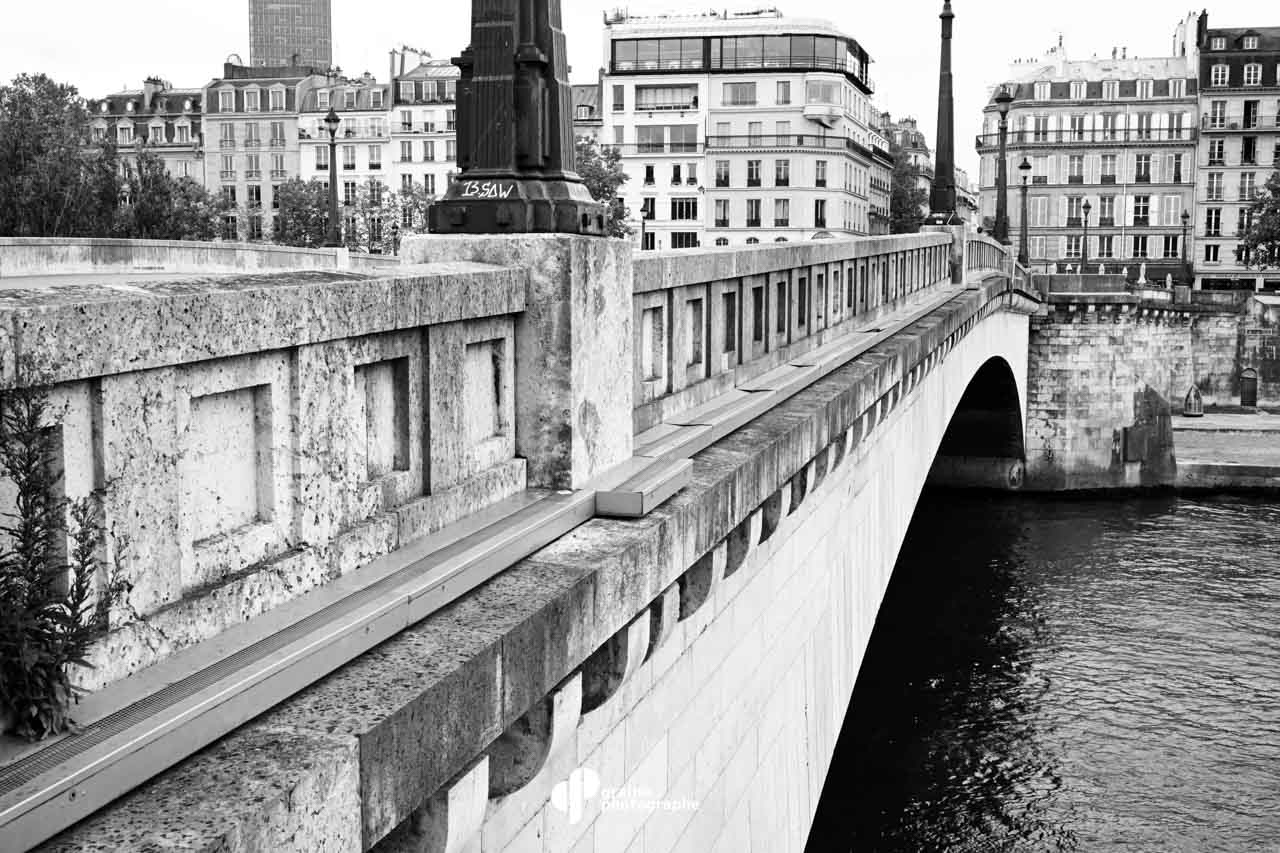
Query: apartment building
424	125
252	139
1238	151
1117	134
291	33
905	134
740	128
163	120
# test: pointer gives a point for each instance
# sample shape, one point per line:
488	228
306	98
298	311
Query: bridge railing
707	320
982	253
251	438
46	256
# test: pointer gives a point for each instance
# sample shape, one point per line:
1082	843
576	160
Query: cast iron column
942	201
1024	255
515	129
1002	183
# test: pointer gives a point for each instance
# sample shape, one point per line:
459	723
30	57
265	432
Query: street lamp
1186	268
331	122
1084	248
1024	256
1003	98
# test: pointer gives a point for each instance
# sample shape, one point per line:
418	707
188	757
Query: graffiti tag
486	189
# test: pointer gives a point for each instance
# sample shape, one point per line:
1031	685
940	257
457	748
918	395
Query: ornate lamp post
1186	267
331	122
1024	256
1003	98
1084	247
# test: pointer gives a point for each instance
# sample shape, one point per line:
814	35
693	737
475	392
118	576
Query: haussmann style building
741	128
1117	135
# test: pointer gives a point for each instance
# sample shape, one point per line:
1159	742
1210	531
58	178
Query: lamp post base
505	204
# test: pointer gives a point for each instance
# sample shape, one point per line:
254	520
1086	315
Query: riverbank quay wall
1109	370
626	647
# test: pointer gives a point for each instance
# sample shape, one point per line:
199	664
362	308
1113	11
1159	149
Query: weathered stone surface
574	347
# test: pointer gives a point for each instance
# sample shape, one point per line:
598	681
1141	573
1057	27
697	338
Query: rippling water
1069	675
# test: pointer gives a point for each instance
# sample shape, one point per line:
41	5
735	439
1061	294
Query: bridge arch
984	443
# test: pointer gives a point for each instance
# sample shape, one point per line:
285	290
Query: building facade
158	118
252	140
1118	135
291	33
424	123
905	134
1239	149
739	128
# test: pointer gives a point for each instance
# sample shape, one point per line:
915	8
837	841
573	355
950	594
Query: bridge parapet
253	437
30	257
710	320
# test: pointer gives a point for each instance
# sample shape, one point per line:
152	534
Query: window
1175	168
349	99
648	174
1144	126
722	213
429	151
1142	168
1213	222
684	138
820	173
1074	242
1170	246
1171	210
375	99
1038	211
740	94
1249	151
375	156
1042	91
820	213
1251	110
251	137
1219	75
753	213
722	173
1077	90
1110	90
1108	169
277	134
255	195
755	133
253	168
229	195
1218	114
676	178
691	174
722	241
322	156
619	99
1211	253
1075	165
1107	246
781	212
1253	74
784	92
1214	187
822	92
406	151
1141	210
1244	221
684	208
251	100
1075	213
1177	88
1140	246
406	182
348	157
1250	42
684	240
124	134
276	100
651	98
649	207
753	173
650	139
1109	126
1217	152
780	312
782	173
1041	132
781	132
375	192
617	134
322	100
406	91
429	184
1248	187
1217	43
227	101
228	168
1077	128
348	193
1145	88
1107	210
1038	247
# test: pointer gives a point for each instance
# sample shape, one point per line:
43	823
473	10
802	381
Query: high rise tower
291	32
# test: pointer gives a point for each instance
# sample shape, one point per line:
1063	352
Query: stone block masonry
671	683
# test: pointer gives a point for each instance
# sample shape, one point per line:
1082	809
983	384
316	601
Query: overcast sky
102	47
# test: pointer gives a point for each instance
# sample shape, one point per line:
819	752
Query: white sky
102	47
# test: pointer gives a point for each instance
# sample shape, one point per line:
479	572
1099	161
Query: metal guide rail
137	728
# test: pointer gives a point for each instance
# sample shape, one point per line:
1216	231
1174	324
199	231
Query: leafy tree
907	200
302	218
601	170
195	213
367	220
413	202
1262	240
51	185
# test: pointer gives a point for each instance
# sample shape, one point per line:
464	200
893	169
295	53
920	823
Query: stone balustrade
708	320
253	437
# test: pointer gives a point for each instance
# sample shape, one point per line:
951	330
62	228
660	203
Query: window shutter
1062	246
1053	169
1062	211
1155	210
1155	169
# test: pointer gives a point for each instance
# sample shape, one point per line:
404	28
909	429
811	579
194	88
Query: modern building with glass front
741	128
291	32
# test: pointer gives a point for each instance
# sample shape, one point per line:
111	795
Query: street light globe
1003	99
331	122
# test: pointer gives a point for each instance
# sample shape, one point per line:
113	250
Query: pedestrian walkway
1228	450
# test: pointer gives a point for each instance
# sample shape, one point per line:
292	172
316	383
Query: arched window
751	241
721	241
780	239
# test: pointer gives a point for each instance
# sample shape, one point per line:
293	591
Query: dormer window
375	99
1077	90
277	100
1042	91
1177	88
186	105
406	90
584	112
1250	42
251	101
1218	43
1110	90
105	107
322	99
128	107
227	101
1145	88
349	100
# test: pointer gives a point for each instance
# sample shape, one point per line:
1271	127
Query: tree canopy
907	200
601	170
1261	243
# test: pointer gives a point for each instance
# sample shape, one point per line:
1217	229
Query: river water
1069	675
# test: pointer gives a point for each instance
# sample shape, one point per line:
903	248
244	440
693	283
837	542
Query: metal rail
147	723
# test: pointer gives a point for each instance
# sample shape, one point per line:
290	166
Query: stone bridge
525	545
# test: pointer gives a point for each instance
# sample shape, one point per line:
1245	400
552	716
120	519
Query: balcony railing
1075	179
279	173
1095	136
277	142
782	223
227	175
753	223
790	140
253	174
1075	222
253	143
722	223
1107	179
1106	221
226	143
